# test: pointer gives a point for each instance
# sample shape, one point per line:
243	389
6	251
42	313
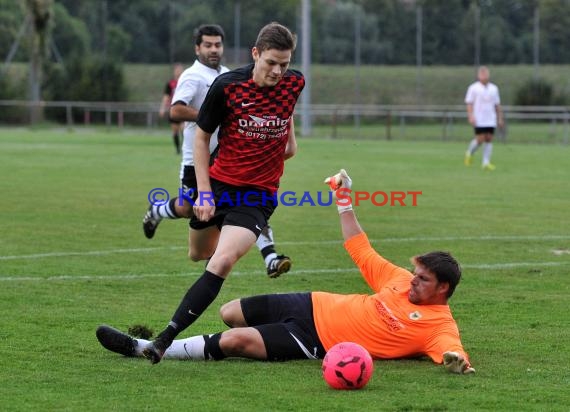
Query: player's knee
235	342
224	261
196	255
232	314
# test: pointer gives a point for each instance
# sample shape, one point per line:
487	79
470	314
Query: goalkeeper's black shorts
285	322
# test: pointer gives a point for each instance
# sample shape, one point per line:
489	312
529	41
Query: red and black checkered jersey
254	126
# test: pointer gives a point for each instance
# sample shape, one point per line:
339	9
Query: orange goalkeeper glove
341	181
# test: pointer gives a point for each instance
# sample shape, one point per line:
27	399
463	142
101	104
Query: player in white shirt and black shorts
485	114
191	90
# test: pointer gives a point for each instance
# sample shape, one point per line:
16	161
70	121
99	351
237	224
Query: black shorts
484	130
285	322
189	183
245	207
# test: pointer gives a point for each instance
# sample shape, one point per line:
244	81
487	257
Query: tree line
75	49
453	32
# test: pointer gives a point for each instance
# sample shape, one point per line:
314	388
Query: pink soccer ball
347	365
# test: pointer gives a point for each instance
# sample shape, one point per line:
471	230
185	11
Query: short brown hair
275	36
443	266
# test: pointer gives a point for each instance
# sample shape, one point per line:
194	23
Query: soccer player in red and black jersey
253	107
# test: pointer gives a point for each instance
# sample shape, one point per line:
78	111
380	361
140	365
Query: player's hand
338	181
455	363
341	185
204	206
204	213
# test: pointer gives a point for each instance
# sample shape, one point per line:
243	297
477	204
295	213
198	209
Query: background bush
539	92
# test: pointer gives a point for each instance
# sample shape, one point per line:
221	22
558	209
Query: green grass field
73	256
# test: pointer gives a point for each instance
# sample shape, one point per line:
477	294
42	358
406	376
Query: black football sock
212	347
200	295
172	208
176	139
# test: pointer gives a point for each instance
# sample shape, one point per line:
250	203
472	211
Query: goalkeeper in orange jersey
406	316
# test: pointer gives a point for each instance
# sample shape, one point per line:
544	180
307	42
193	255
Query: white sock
487	150
265	238
473	146
163	211
187	349
269	258
190	348
141	344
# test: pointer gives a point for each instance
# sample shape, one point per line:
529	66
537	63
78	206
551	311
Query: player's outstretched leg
200	347
276	264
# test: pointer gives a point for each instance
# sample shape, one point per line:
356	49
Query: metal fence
335	119
79	113
396	118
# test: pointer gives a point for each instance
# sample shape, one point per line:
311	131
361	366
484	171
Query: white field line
89	253
485	266
293	243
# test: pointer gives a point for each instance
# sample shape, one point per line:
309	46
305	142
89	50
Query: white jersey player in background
188	97
484	113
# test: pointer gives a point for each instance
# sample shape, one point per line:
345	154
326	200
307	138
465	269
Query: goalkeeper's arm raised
349	224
